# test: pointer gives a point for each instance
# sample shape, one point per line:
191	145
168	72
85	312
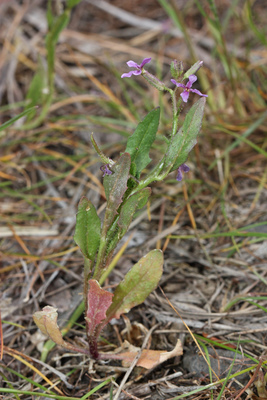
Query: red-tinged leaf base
99	301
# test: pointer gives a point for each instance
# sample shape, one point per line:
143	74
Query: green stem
155	174
100	258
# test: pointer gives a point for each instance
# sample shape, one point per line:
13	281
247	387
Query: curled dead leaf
149	358
46	320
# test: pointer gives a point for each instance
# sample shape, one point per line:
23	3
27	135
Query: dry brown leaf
46	320
149	358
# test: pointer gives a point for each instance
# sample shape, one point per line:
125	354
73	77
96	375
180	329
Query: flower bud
154	81
193	69
176	69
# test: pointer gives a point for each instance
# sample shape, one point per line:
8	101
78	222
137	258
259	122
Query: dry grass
212	226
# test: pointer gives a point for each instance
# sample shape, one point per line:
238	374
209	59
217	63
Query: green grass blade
14	119
94	390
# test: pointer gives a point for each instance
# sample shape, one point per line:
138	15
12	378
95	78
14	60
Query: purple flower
105	169
138	68
187	88
182	168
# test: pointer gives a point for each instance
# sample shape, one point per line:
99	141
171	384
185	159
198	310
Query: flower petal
127	74
132	64
145	61
184	168
105	169
198	92
191	80
137	72
178	84
179	176
185	95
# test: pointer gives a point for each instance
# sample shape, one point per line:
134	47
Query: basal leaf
186	138
87	229
46	320
138	283
99	300
139	144
115	186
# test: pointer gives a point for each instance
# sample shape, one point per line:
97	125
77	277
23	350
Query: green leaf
139	144
115	186
35	93
72	3
56	26
49	15
87	229
133	203
60	23
138	283
14	119
186	138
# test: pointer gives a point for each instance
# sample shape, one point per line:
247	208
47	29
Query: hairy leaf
138	283
115	186
99	301
133	203
87	229
186	138
139	144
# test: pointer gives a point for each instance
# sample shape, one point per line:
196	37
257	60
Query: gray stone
220	361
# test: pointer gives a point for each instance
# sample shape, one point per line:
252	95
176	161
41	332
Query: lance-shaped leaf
99	300
186	138
36	90
46	320
115	186
138	283
139	144
133	203
87	229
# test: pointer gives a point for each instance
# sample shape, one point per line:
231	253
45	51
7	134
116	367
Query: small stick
252	379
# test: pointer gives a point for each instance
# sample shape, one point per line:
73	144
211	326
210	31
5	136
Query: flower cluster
139	69
187	88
